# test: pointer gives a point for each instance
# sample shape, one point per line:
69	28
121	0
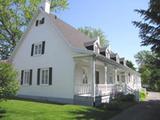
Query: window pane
36	49
26	77
40	49
43	76
47	76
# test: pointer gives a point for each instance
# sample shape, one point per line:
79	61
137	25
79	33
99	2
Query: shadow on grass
2	112
35	100
103	112
94	114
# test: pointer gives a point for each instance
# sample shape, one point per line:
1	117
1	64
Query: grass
28	110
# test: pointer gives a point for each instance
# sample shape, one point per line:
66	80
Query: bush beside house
8	81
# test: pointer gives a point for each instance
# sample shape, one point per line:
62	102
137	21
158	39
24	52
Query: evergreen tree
150	26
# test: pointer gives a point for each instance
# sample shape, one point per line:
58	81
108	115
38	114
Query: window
26	77
110	79
39	21
84	76
123	78
45	76
97	77
38	48
118	78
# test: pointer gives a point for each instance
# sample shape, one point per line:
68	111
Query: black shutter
37	23
43	47
30	80
32	49
38	76
50	76
22	77
42	21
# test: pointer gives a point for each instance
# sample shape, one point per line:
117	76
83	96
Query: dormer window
105	52
93	45
115	57
122	61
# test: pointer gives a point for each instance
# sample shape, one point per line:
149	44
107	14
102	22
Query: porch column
105	69
115	75
93	69
126	78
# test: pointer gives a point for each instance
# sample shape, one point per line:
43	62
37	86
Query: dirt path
148	110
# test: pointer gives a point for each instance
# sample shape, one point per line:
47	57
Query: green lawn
27	110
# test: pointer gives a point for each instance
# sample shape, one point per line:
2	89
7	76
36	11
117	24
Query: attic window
37	23
42	20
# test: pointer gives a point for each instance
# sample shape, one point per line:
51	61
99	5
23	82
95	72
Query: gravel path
148	110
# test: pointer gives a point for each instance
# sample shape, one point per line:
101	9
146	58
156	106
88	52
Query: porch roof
86	53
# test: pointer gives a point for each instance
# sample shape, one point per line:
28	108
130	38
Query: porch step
105	99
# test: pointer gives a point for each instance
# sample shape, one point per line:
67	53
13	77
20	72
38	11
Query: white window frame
26	77
37	48
44	76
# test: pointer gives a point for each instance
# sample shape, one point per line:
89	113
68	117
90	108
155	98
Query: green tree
150	72
145	74
130	64
94	33
145	57
8	81
14	18
149	27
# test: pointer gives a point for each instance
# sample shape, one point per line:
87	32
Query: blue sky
114	17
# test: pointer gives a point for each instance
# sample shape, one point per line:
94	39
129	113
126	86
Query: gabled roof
72	35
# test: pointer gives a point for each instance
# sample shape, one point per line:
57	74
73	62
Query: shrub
128	97
113	105
142	95
8	81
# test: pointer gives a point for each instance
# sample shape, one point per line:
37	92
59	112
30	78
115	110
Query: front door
97	77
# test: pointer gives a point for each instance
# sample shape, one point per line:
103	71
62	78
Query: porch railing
101	90
86	89
83	89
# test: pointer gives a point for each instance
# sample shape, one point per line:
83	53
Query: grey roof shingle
72	35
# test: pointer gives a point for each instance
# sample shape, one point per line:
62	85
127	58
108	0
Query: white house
58	63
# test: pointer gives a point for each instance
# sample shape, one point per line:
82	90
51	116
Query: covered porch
97	79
